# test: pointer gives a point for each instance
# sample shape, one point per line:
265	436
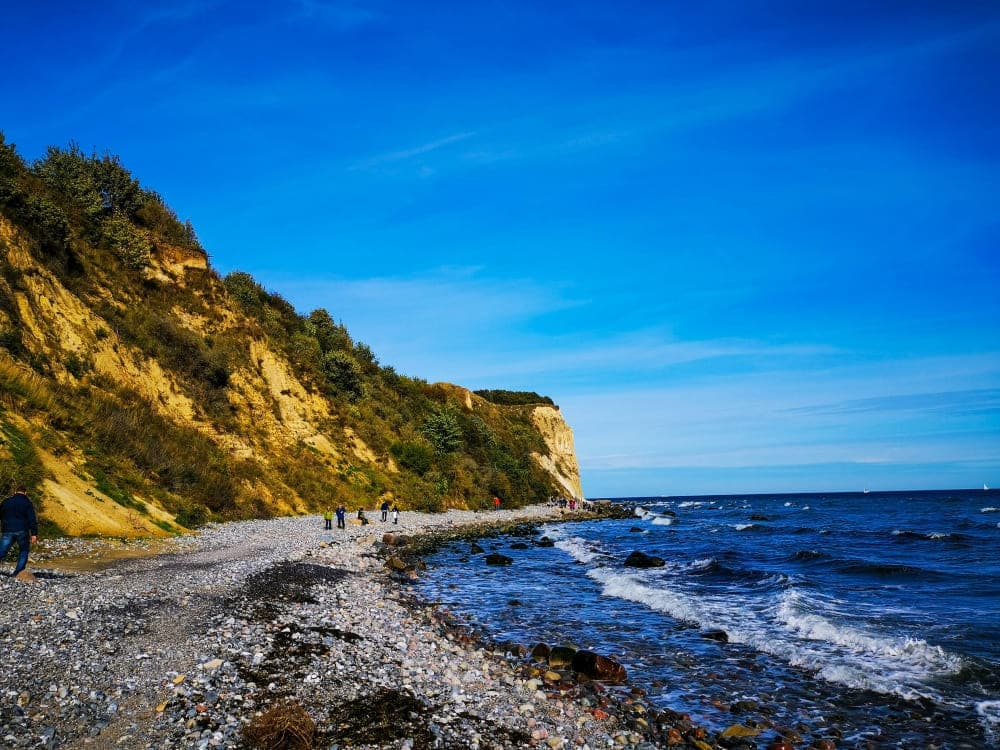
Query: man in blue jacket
18	524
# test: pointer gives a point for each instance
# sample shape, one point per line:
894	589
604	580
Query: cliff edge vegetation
141	393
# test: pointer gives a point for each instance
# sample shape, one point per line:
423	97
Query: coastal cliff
142	394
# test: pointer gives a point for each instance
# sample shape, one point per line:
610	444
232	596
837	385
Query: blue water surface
861	617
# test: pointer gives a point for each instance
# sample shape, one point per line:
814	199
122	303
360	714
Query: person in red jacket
496	503
18	523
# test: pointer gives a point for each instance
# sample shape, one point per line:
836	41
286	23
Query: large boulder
598	667
561	656
642	560
497	559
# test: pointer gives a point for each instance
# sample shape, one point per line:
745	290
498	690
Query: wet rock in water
716	635
475	549
637	529
824	744
396	563
514	603
642	560
561	656
744	706
544	542
519	545
737	731
540	652
598	667
495	558
759	517
780	744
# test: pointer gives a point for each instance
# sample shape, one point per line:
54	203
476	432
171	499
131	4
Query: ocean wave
580	549
865	660
869	568
662	521
931	536
990	510
808	554
795	634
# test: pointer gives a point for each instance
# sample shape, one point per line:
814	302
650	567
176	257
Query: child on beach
395	514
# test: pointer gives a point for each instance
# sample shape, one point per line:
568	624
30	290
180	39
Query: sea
869	618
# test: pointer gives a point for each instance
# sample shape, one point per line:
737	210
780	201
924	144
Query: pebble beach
278	633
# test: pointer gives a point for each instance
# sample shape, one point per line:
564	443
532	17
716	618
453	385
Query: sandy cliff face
561	462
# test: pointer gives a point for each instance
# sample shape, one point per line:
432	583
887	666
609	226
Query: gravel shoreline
187	647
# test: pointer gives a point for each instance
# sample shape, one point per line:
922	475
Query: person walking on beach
385	511
341	516
496	503
362	517
328	520
395	514
18	523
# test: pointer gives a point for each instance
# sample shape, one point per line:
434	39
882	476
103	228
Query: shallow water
875	616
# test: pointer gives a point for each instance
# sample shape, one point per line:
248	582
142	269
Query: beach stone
495	558
540	652
641	560
26	576
396	563
475	549
561	656
716	635
738	731
598	667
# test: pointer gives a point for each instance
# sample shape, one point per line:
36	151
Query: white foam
703	564
990	510
805	507
989	717
788	505
742	526
579	549
691	504
938	535
663	521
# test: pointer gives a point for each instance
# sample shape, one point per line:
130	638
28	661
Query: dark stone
716	635
475	549
519	545
396	563
514	603
598	667
561	656
759	517
642	560
637	529
497	559
540	652
544	542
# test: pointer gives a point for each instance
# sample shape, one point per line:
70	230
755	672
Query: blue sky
746	246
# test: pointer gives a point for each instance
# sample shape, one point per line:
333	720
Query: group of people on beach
341	515
18	523
572	503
